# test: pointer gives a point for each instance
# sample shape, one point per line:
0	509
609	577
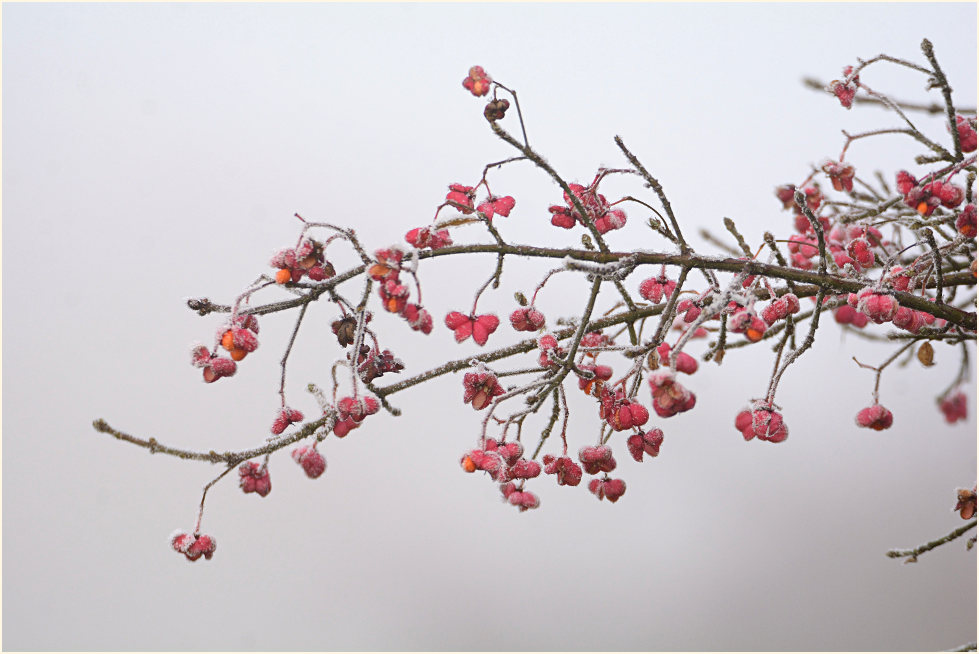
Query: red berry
312	461
875	417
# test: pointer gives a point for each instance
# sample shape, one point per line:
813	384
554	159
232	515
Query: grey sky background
156	152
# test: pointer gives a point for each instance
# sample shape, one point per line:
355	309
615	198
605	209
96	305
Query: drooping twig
913	554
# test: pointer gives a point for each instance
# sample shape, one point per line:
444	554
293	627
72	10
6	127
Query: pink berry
655	289
567	471
684	362
527	319
254	478
879	307
524	469
524	500
610	489
875	417
597	459
648	443
312	462
955	407
967	133
763	422
669	396
480	389
965	224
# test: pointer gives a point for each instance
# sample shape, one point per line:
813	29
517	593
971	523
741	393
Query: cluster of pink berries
254	478
598	211
881	307
238	337
193	546
845	90
394	295
285	417
463	198
761	420
351	411
840	175
305	260
924	197
655	289
780	308
428	237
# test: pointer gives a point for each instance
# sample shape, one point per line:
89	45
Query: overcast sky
156	152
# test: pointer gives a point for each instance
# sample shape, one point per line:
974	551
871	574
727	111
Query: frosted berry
669	396
879	307
607	489
312	461
684	362
847	315
875	417
343	427
527	319
596	459
843	90
418	318
620	412
387	264
461	197
394	296
523	469
762	421
688	310
747	323
648	443
965	224
426	237
967	133
908	319
477	82
567	471
217	368
200	356
493	206
601	374
193	546
254	478
655	289
357	409
840	174
285	417
480	389
524	500
859	250
511	451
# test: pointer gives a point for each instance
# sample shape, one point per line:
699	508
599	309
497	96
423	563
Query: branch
921	549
